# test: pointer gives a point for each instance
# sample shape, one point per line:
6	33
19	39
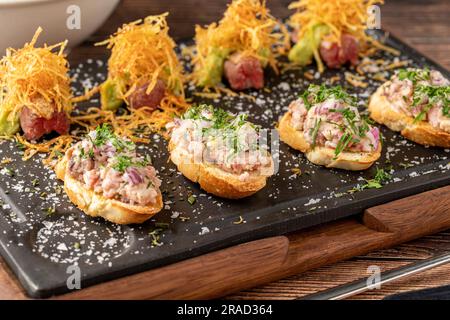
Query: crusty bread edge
214	180
421	132
96	205
354	161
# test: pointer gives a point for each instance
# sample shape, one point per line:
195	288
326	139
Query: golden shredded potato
341	16
248	28
143	52
36	78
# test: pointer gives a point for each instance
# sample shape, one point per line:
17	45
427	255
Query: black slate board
39	248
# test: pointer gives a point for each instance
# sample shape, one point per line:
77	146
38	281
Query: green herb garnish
223	125
10	172
381	176
155	237
105	133
191	199
318	94
426	95
316	131
122	163
414	75
430	96
49	211
343	142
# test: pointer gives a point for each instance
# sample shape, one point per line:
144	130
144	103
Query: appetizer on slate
35	92
324	123
220	151
330	31
239	47
143	70
105	177
416	103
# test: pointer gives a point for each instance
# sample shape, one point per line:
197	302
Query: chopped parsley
381	177
426	95
414	75
104	133
353	128
10	172
223	125
315	131
429	96
123	162
50	211
342	144
191	199
318	94
155	237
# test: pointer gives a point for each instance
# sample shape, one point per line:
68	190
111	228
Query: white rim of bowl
20	3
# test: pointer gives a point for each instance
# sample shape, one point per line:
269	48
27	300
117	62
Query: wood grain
220	273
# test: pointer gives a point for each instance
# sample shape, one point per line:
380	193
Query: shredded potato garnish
355	80
36	78
137	122
54	147
135	125
248	28
341	16
143	52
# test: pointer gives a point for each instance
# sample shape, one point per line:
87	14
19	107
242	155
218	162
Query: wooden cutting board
250	264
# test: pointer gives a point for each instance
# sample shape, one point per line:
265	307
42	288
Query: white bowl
19	19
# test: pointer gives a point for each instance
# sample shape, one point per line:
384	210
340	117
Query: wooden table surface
424	25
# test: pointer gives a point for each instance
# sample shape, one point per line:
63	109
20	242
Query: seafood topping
422	94
140	98
329	117
110	165
35	126
216	137
244	72
336	55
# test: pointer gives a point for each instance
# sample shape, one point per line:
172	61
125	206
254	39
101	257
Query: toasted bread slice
324	156
96	205
421	132
214	180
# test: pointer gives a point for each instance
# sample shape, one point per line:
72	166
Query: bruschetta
324	124
104	177
220	151
415	103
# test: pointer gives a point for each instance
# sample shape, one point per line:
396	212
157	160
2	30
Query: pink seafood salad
216	137
328	117
422	94
110	165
